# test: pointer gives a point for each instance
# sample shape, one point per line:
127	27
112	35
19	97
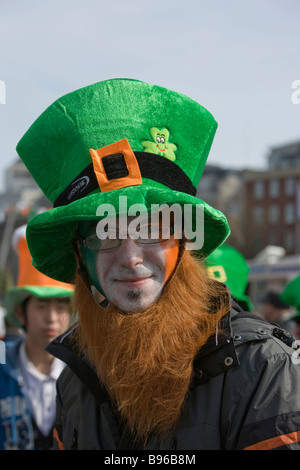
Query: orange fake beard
145	359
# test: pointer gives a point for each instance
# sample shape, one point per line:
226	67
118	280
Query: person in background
40	306
275	310
228	265
166	361
291	296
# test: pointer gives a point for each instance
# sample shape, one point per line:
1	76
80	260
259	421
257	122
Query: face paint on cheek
90	261
171	256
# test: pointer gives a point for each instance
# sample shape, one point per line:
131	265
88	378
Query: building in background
263	210
285	156
20	197
262	207
21	191
272	221
272	203
223	188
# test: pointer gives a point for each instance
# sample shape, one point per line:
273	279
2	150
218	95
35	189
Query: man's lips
135	281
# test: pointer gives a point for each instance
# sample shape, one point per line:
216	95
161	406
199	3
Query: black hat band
151	166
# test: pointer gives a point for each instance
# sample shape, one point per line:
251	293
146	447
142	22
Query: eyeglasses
109	240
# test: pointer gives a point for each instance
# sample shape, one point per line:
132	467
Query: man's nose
130	254
51	313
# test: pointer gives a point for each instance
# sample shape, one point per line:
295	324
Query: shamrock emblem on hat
160	144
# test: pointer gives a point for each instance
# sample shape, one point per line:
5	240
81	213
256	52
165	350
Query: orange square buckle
112	161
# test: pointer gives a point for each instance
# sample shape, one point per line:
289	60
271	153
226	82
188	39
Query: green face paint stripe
87	228
90	262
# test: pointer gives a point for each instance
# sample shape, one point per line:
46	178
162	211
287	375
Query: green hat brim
50	234
16	295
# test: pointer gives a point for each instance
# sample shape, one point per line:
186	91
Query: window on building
259	189
258	215
289	213
258	243
289	186
273	238
289	241
273	215
274	188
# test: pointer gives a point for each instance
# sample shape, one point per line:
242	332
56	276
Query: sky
237	58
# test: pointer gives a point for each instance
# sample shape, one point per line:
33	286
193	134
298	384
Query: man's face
45	319
132	275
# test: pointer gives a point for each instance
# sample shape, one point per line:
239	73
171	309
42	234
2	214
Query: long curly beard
145	359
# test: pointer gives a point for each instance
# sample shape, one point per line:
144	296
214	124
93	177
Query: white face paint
130	274
133	276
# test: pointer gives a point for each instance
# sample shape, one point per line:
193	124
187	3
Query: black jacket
245	394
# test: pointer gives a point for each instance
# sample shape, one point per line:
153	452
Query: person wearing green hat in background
40	306
228	265
164	360
291	296
274	310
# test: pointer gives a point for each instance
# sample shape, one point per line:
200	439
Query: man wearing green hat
161	357
40	306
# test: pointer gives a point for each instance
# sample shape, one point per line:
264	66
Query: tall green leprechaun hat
291	295
119	137
228	265
30	281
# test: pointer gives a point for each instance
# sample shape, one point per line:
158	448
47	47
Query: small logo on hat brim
78	186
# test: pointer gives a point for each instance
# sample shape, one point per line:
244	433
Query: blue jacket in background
16	427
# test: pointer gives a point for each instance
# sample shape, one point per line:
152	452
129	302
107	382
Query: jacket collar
218	355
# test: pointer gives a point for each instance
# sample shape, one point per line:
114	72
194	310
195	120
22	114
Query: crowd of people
121	332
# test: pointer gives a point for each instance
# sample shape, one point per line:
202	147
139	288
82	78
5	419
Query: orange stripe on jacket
274	442
60	444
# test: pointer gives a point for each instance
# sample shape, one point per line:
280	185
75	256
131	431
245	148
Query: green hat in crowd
291	295
119	137
228	265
